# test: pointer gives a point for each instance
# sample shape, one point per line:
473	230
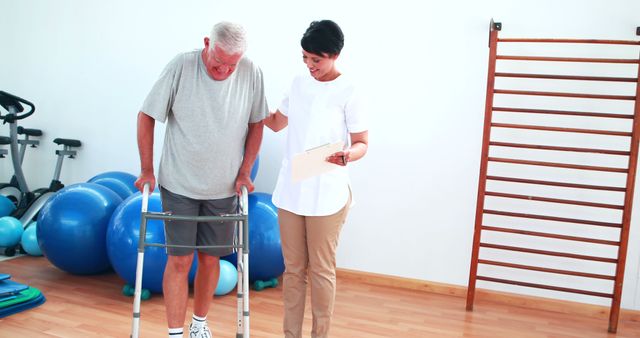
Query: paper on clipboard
313	161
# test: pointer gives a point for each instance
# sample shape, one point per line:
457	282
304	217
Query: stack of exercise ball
72	228
265	249
123	236
121	183
88	228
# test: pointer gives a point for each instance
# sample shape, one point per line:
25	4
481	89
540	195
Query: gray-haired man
213	103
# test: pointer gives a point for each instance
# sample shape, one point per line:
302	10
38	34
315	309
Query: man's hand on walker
148	178
244	179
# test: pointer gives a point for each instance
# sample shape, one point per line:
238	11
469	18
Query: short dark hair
323	37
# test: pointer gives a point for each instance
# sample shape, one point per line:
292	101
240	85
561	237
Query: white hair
231	37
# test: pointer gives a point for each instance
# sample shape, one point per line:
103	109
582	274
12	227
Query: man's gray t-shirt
206	124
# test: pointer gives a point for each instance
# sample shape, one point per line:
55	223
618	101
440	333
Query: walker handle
145	197
244	200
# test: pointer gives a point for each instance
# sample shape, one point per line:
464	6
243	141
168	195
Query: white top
318	113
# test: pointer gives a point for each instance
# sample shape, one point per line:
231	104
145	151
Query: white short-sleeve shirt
318	113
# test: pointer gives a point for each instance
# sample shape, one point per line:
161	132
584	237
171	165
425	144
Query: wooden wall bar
541	206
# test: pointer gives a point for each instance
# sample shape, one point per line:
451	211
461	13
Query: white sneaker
203	332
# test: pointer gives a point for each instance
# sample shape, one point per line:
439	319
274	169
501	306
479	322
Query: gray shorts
198	233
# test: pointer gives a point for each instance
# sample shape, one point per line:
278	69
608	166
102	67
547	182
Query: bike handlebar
8	101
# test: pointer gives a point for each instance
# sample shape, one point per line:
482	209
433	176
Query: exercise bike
12	190
30	201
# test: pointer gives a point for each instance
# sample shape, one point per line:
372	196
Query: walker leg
137	295
239	287
245	287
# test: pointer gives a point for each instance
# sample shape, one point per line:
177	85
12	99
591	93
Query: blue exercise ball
265	248
72	228
29	240
123	236
121	183
10	231
254	169
6	206
228	278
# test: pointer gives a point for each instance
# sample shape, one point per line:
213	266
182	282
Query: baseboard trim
484	295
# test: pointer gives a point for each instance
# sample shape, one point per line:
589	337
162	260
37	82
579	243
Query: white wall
88	66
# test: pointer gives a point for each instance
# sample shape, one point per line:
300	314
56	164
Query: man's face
219	64
321	67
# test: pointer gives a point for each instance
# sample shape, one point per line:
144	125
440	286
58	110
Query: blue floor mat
24	296
9	287
8	297
22	306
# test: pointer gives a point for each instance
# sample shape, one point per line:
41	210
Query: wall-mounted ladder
537	174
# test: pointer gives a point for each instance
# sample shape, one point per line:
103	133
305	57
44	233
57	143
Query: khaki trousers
309	246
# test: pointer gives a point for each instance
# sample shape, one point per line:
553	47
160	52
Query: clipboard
313	162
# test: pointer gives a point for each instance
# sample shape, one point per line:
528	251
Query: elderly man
213	103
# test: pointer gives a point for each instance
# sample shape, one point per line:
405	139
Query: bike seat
67	142
29	132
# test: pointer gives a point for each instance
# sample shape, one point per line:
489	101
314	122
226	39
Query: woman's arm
276	121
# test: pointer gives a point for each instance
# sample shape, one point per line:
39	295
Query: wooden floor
92	306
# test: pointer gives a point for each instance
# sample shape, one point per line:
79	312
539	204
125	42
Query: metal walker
241	244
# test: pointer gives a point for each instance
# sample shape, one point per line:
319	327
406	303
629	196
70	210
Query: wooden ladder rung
548	253
554	183
557	148
550	235
543	286
552	218
586	41
563	59
557	165
554	200
561	129
564	94
548	270
561	112
567	77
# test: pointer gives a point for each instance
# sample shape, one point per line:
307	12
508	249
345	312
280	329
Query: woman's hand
340	158
359	146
